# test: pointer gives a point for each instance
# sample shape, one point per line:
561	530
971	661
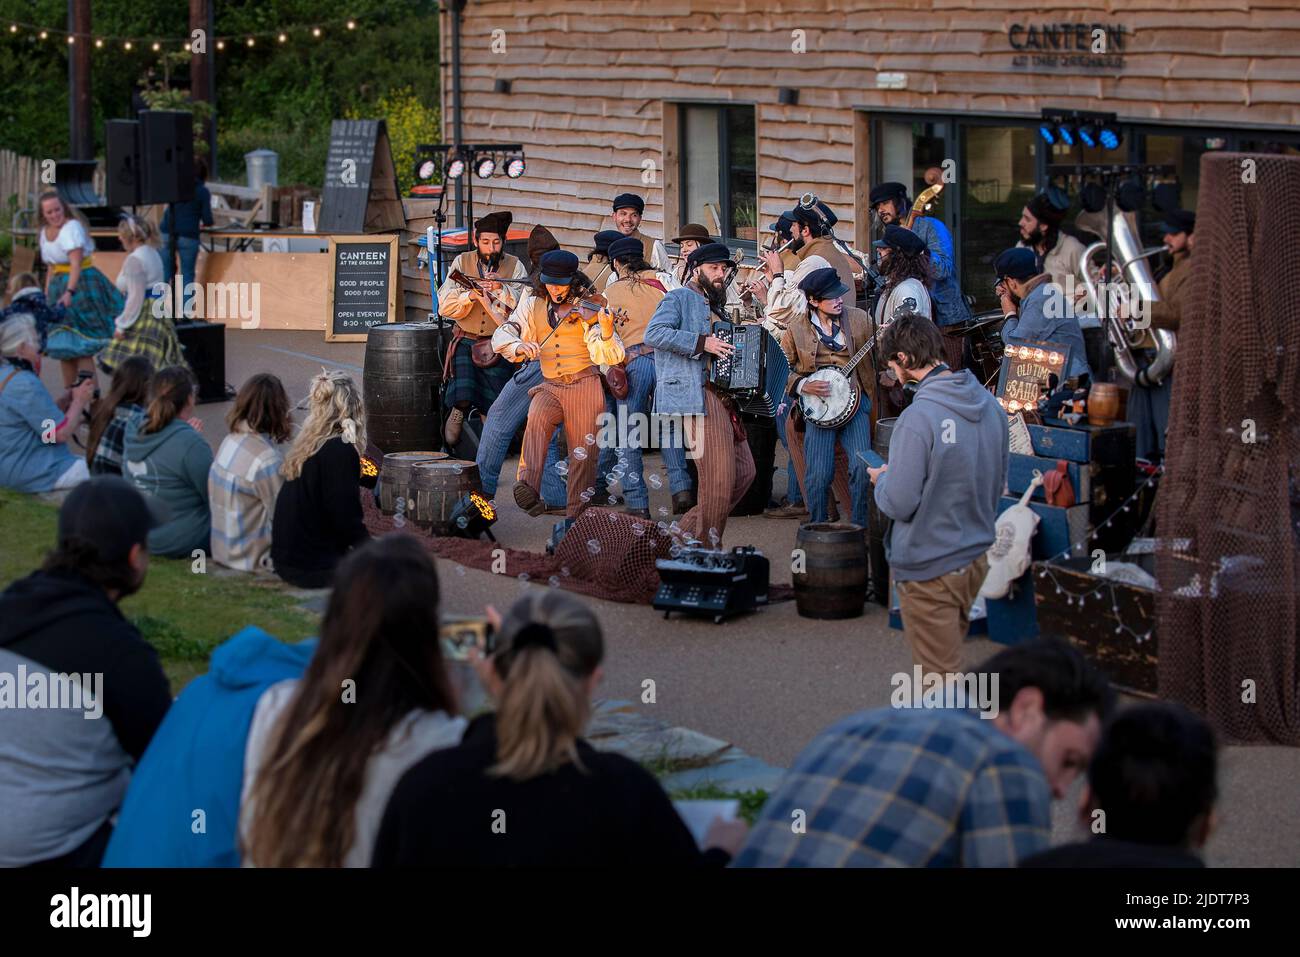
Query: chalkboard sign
360	193
363	285
1027	367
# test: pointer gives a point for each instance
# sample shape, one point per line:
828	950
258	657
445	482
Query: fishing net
606	554
1229	506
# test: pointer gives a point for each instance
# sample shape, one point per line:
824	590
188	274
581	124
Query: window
1001	166
719	171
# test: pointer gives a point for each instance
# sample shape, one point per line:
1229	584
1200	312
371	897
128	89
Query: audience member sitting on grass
26	298
166	456
318	512
524	789
62	777
34	455
324	753
1151	792
123	406
941	787
245	476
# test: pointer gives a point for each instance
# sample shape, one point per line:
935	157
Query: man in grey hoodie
948	458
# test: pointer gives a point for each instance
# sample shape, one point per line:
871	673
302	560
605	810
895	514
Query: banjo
832	411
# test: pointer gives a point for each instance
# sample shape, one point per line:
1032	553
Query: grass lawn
182	614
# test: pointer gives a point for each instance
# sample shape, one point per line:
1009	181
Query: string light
221	44
71	39
126	45
315	31
99	43
283	38
280	35
250	41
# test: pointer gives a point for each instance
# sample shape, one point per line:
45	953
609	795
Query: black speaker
166	156
75	182
122	176
204	345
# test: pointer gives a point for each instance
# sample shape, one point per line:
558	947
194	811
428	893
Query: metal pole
456	7
81	136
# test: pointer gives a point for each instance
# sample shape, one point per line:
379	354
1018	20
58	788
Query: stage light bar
1047	133
1088	135
485	166
455	169
1066	133
515	168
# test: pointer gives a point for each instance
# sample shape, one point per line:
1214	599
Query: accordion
743	374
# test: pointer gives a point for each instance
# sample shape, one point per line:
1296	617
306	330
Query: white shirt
72	235
785	301
141	271
413	737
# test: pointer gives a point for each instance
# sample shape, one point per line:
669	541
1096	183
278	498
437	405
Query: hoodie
948	458
64	762
182	809
172	464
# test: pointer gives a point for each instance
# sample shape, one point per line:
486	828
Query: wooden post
203	83
81	136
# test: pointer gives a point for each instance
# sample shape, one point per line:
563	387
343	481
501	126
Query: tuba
1126	338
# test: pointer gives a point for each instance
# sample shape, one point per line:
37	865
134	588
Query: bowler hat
694	231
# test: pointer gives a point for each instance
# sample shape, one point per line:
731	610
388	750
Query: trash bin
263	168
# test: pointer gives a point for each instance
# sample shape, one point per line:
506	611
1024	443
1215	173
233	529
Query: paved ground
768	682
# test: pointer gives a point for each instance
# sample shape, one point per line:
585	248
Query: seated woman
26	298
523	789
321	763
34	455
318	512
165	456
141	328
245	476
123	406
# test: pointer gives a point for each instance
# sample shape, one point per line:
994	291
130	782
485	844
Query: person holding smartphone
523	789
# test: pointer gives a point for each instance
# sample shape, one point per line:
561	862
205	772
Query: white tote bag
1009	555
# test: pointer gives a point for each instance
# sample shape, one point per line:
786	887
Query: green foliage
272	95
409	123
751	802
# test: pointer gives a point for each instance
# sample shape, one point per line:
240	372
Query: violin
587	307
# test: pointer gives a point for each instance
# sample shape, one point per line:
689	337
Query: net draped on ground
1229	507
606	554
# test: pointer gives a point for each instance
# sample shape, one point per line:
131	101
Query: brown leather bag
616	381
480	352
1057	486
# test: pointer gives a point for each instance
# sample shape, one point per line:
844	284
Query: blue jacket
196	760
948	458
677	331
1039	322
949	306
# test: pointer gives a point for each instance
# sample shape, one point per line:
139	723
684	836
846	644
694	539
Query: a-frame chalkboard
360	193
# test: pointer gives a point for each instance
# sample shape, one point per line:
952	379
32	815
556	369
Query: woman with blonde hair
318	511
142	328
76	284
523	789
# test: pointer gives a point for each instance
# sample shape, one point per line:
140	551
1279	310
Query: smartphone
872	458
459	635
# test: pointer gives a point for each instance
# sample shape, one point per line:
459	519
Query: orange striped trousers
576	405
725	468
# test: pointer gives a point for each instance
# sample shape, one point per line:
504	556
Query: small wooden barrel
833	582
436	487
1103	403
395	479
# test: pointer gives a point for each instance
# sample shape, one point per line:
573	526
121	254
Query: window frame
727	215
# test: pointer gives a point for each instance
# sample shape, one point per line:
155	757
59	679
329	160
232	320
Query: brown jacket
804	350
1175	291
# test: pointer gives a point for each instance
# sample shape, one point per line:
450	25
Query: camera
82	376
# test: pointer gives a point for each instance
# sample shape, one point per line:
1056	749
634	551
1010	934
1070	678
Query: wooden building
725	113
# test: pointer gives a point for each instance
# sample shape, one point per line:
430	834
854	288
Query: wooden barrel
436	487
395	479
403	375
833	582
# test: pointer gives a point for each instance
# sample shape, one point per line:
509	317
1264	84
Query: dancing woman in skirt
142	328
74	283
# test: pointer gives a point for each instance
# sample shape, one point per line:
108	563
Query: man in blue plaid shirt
940	787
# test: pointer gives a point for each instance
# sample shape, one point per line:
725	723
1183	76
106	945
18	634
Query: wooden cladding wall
590	81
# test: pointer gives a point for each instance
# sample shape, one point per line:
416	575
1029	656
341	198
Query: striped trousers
725	467
576	406
508	413
640	383
799	460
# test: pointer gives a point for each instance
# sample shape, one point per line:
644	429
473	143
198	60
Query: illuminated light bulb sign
1028	369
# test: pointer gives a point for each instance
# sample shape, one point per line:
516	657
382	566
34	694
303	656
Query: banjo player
827	336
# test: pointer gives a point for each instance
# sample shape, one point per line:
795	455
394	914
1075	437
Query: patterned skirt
150	336
469	383
88	326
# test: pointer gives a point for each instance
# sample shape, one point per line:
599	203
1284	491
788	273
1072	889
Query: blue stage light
1045	131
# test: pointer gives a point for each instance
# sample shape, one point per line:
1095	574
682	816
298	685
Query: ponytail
552	644
169	391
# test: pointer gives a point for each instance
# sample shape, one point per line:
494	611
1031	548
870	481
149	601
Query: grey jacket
677	332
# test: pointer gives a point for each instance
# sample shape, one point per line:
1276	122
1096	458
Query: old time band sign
1028	370
1064	46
